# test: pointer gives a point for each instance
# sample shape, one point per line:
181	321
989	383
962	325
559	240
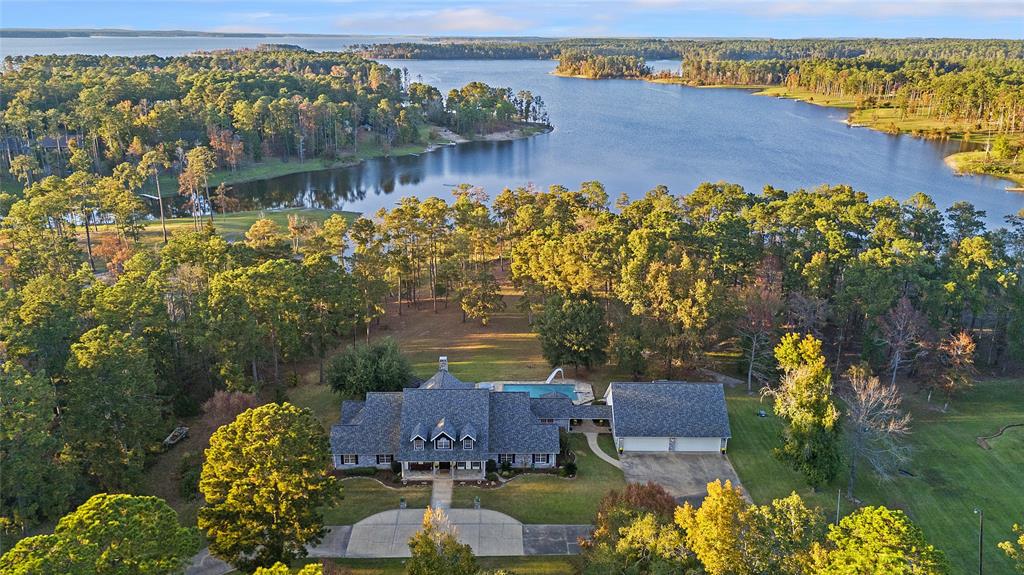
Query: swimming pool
544	388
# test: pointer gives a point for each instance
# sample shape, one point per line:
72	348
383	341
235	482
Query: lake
630	135
633	135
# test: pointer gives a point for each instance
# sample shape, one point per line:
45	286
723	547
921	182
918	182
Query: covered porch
456	470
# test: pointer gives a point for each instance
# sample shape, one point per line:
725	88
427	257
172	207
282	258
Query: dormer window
417	444
467	443
442	443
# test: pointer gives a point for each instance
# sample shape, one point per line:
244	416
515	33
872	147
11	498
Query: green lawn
364	497
607	444
953	475
319	399
548	498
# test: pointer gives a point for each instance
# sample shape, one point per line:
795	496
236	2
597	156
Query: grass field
952	474
232	226
982	163
548	498
364	497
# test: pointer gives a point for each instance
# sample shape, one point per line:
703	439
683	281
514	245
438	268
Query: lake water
633	135
629	135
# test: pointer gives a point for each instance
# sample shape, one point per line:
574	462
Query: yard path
592	442
441	494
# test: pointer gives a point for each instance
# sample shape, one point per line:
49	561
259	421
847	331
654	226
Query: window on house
506	458
349	459
381	459
467	443
417	444
542	458
443	443
546	420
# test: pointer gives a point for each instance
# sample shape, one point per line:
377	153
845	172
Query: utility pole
981	540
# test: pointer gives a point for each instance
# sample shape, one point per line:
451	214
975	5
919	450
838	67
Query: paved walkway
387	534
592	442
441	494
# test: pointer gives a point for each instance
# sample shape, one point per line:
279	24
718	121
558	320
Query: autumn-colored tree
436	550
877	424
957	359
713	530
1015	549
265	482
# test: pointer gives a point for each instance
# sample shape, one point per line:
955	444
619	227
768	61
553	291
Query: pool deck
584	391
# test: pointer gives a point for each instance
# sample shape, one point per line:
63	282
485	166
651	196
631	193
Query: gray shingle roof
445	380
498	422
515	429
373	429
444	409
350	410
669	409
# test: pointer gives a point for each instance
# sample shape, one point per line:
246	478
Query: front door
671	443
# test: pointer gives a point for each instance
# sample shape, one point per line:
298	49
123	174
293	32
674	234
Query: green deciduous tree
379	366
113	411
879	540
804	399
108	535
35	484
572	330
265	482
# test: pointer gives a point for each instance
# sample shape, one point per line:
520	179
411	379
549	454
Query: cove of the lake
633	136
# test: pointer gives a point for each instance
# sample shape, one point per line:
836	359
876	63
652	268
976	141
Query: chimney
442	363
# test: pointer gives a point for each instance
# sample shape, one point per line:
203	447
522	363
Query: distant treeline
87	32
957	50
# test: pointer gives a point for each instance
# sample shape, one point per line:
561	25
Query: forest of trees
596	66
988	93
952	49
904	286
99	114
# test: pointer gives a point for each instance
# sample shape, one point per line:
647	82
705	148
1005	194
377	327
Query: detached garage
669	416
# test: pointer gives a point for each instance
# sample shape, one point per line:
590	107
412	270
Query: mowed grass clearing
952	474
542	498
364	497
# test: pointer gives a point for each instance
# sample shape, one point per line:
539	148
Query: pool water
539	390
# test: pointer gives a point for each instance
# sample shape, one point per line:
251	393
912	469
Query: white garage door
698	444
645	444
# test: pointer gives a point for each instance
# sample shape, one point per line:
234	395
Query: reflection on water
633	136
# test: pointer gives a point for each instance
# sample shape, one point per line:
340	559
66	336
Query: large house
446	426
669	416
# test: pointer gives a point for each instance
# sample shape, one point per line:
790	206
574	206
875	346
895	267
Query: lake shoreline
961	162
440	137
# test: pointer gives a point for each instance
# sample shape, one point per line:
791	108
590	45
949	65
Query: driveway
684	475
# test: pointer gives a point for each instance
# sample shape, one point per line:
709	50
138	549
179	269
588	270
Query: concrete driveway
684	475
